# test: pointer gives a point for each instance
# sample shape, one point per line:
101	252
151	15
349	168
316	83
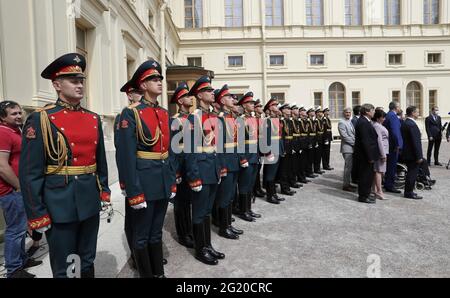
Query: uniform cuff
223	172
243	161
38	223
178	175
105	196
195	183
174	188
122	186
139	199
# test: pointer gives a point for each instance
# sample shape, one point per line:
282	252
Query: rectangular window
317	60
353	13
276	60
274	13
314	12
193	13
356	59
356	98
392	10
233	13
235	61
318	99
395	59
194	61
396	96
278	96
434	58
432	96
431	12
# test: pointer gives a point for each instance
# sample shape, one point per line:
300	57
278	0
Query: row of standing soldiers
64	173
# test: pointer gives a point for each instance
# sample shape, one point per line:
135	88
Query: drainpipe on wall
263	51
162	44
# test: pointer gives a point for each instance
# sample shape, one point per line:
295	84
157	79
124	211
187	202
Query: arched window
414	95
337	100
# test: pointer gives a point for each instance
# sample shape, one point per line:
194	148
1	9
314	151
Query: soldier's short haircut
356	110
366	108
7	104
410	110
393	105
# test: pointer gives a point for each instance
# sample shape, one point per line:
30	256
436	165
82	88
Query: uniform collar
68	106
150	104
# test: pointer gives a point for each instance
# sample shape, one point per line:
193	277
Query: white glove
300	151
244	165
173	195
223	175
44	229
317	146
179	179
105	205
220	180
124	193
197	189
140	206
293	151
271	158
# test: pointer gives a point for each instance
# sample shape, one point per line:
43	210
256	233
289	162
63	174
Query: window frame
402	53
229	67
431	52
360	96
388	16
349	59
233	17
200	18
325	60
353	9
273	15
430	13
194	57
312	16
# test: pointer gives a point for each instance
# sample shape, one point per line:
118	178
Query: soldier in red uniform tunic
63	171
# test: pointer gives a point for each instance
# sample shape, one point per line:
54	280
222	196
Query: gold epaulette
134	105
47	107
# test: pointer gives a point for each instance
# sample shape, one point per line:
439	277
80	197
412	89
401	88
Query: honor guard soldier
148	176
312	143
231	160
286	159
259	114
182	201
272	160
203	170
295	165
133	96
63	171
320	131
303	144
328	138
249	164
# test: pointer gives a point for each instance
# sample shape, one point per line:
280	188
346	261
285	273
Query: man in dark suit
366	152
412	150
393	124
433	127
356	115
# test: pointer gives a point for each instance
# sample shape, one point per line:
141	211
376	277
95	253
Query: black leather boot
212	251
229	221
201	251
249	207
243	214
224	228
90	273
270	194
143	264
155	251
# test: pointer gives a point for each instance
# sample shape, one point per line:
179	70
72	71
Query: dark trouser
391	170
326	150
78	239
202	203
128	226
148	223
36	236
317	158
182	210
355	170
285	169
295	167
226	189
365	174
310	161
437	144
247	178
257	184
411	177
303	163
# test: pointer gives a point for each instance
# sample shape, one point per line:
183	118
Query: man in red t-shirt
10	197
